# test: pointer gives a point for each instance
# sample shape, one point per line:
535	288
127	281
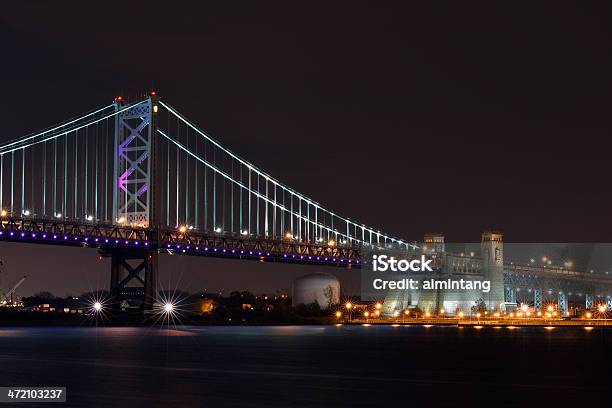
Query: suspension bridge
138	179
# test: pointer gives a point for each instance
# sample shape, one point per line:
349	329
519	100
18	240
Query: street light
349	306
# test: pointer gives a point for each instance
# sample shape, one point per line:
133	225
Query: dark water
311	366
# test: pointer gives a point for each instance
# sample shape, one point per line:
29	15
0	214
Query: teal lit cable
267	177
44	197
64	206
62	125
85	187
76	175
54	177
12	180
22	180
228	178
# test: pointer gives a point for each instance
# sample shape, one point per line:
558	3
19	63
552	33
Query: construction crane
9	294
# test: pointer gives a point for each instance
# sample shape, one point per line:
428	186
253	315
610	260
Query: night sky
411	119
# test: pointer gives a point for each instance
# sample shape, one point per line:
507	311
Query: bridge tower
492	250
135	197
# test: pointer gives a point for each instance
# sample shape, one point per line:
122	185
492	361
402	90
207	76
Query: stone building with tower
454	266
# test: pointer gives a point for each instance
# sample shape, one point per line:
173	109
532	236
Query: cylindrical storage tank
316	287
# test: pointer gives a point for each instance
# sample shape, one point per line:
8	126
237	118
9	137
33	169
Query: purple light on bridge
357	261
1	233
146	244
44	235
96	239
224	250
259	253
318	258
86	239
233	251
12	233
76	238
124	176
167	245
106	241
55	237
215	250
293	256
206	249
285	255
197	248
127	242
116	241
178	247
136	243
326	259
242	252
33	235
250	252
187	247
302	257
267	254
310	257
22	234
65	237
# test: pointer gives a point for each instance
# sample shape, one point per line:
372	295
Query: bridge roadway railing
556	273
55	231
259	248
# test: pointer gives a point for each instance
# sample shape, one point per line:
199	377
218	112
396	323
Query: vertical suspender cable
240	193
231	186
12	180
76	176
85	187
196	195
44	195
64	207
22	179
54	191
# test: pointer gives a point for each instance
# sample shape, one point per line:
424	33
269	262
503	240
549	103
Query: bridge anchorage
138	179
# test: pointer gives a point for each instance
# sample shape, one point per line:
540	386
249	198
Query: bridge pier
588	301
562	303
537	299
128	266
510	295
